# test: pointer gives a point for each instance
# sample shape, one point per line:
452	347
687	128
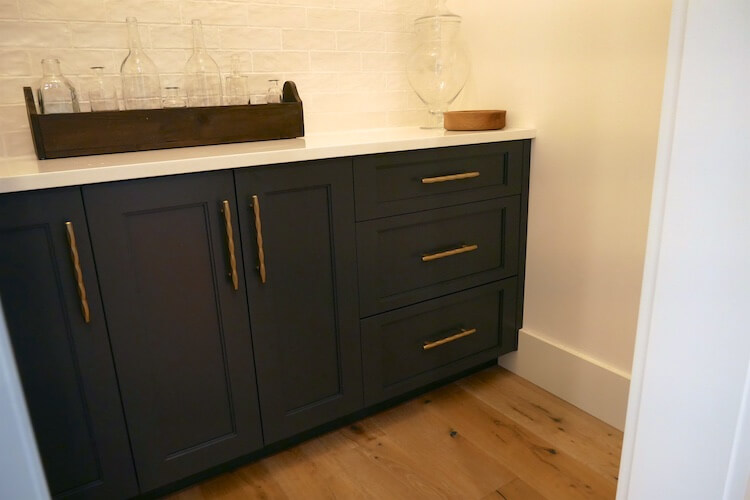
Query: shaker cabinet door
170	270
59	336
297	230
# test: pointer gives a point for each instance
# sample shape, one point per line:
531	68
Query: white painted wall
21	474
589	76
687	433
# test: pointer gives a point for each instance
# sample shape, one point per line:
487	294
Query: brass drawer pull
230	244
449	253
447	178
259	239
463	333
77	270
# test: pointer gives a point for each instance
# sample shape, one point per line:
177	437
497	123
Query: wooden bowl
491	119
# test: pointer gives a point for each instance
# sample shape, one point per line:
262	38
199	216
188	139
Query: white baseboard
581	380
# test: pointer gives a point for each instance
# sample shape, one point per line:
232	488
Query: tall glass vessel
141	88
202	76
438	67
56	93
236	89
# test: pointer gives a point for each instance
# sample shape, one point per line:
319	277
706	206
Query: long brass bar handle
463	333
77	270
448	178
259	240
230	244
449	253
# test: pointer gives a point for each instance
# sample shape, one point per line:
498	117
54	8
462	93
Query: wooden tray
79	134
493	119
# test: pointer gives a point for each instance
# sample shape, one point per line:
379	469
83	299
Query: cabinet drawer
413	346
404	182
415	257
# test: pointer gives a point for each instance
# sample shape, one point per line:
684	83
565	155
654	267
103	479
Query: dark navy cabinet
167	253
50	295
297	223
169	326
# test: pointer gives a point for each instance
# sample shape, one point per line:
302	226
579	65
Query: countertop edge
26	174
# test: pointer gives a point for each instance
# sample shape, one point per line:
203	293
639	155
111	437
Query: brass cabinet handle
448	178
463	333
449	253
259	239
77	270
230	244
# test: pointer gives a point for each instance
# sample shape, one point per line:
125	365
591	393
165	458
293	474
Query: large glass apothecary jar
438	67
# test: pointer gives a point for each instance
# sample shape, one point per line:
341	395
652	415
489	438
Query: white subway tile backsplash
102	35
78	10
411	7
181	36
333	19
309	40
400	42
360	41
146	11
361	82
271	62
360	4
220	13
384	21
276	16
30	34
383	61
11	89
12	118
348	57
9	9
309	3
250	38
397	81
335	61
15	63
313	82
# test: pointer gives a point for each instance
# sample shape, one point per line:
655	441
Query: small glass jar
274	92
172	98
56	93
102	96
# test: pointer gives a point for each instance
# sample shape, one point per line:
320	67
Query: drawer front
415	257
405	182
411	347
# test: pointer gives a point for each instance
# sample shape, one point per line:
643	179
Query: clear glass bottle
236	89
56	93
438	67
102	95
202	76
141	88
172	98
274	92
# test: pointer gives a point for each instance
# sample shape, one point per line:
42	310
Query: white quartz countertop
27	173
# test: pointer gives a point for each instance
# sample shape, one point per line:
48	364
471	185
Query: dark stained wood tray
80	134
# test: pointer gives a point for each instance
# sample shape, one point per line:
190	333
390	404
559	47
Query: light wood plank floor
492	435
